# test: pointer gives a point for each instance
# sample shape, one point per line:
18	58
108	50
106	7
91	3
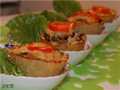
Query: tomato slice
58	26
101	10
86	16
40	47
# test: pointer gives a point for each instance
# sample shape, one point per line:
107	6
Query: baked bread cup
86	23
105	14
63	37
38	59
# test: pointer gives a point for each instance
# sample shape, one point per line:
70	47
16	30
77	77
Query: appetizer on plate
63	37
38	59
61	33
105	14
86	23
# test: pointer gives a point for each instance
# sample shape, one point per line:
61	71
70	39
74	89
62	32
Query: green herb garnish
26	28
4	33
53	16
66	7
6	66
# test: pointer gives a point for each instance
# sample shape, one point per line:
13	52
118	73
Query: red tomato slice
61	26
44	47
86	16
101	10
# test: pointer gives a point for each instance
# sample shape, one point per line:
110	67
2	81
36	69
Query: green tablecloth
99	71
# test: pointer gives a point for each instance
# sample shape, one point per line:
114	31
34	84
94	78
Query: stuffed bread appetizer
38	59
63	36
105	14
86	23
